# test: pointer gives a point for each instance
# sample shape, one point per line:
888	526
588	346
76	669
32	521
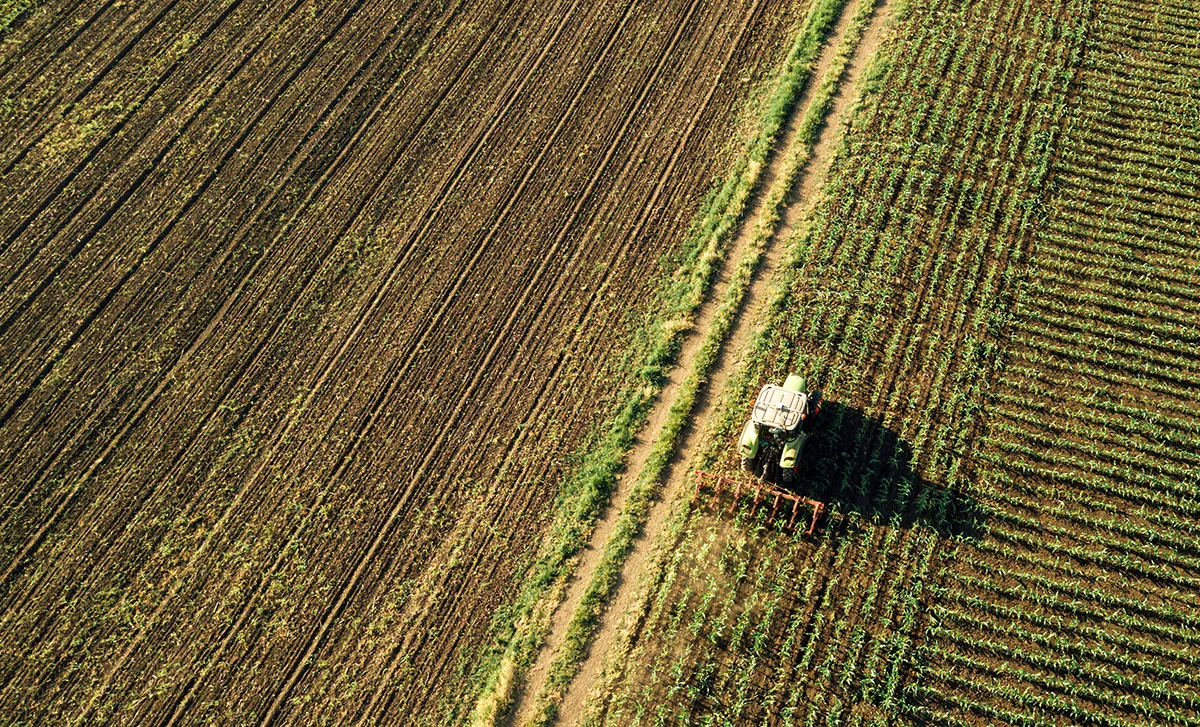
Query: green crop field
357	362
1000	295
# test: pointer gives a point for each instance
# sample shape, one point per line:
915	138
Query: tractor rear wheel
787	476
750	464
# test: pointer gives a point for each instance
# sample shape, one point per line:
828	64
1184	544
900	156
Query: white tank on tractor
780	423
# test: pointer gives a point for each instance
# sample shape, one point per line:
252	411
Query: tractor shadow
855	464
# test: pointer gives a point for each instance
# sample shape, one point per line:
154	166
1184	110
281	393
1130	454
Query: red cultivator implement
782	502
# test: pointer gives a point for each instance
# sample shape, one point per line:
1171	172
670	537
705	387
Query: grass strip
521	628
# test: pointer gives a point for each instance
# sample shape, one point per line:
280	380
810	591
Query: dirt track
254	258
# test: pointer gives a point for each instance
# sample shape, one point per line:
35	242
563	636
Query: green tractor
780	423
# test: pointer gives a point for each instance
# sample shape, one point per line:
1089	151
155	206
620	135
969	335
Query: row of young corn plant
978	283
1163	675
1089	636
1103	681
1083	541
717	626
1080	601
974	274
893	301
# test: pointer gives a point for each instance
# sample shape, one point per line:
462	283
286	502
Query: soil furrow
274	438
241	619
532	330
466	397
81	241
327	173
293	165
107	299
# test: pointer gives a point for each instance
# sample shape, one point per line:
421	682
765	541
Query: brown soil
304	309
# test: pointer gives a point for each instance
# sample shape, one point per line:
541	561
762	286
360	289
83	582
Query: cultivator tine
719	483
737	487
818	508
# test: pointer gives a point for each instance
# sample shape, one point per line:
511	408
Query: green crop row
864	300
1088	466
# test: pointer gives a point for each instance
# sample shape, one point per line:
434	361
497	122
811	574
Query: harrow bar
762	492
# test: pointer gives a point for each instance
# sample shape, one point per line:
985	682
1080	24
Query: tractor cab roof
778	408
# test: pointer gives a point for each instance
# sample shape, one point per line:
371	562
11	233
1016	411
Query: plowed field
305	309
